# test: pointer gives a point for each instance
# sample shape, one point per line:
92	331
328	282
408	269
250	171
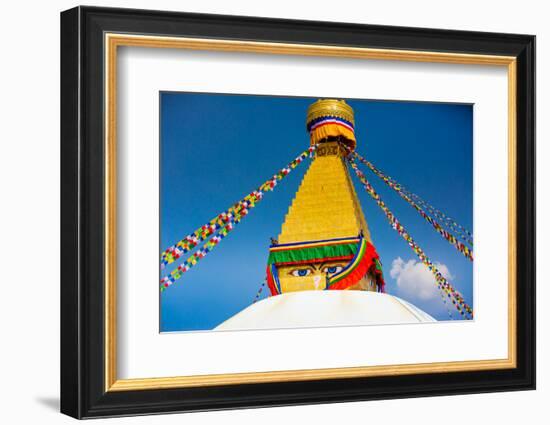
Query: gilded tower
325	243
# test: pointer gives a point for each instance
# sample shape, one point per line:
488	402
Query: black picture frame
83	392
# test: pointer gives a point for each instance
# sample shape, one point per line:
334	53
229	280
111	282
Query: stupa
325	242
323	268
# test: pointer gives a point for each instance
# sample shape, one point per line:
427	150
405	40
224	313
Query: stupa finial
331	120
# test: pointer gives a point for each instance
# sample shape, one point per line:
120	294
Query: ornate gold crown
330	107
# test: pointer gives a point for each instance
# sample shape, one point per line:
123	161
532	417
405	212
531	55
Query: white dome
325	308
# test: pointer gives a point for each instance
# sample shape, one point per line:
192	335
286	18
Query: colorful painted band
362	255
326	119
366	261
329	126
281	254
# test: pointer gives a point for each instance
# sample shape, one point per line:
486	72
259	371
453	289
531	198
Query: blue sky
216	148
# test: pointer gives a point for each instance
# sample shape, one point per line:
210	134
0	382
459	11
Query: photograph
294	212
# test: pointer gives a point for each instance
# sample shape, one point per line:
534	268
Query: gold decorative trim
512	211
330	107
110	213
113	41
302	49
306	375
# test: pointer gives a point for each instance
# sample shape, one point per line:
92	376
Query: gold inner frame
113	41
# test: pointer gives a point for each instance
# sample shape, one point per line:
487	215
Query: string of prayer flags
190	241
257	297
198	255
442	283
463	249
418	203
229	218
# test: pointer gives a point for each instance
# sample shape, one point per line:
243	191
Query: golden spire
325	207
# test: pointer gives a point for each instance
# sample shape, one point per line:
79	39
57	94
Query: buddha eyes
332	269
308	271
300	272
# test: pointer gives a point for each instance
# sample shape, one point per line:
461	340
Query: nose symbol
316	281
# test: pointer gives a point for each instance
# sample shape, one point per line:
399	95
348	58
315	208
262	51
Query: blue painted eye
300	272
333	269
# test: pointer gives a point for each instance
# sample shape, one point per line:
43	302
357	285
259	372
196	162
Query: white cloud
415	281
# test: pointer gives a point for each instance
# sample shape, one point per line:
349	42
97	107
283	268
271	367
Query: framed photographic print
261	212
